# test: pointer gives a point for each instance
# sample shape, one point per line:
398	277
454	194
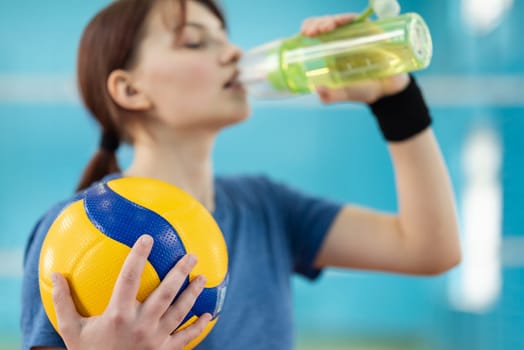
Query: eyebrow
202	26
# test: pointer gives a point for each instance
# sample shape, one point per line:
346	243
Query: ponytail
103	163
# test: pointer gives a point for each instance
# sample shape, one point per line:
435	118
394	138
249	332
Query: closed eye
195	45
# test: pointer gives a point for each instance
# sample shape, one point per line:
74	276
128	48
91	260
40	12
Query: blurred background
474	87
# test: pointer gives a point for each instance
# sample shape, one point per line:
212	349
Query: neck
183	160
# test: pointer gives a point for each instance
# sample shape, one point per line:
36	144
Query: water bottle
353	52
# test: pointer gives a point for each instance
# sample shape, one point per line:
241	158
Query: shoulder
45	221
42	225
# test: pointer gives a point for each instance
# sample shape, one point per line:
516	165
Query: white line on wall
11	263
440	90
38	89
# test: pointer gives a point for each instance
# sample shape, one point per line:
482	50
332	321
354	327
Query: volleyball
92	236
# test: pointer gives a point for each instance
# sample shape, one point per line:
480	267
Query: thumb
67	317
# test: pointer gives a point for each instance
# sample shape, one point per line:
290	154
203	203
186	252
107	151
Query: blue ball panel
125	221
210	301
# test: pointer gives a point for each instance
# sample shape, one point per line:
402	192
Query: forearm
427	215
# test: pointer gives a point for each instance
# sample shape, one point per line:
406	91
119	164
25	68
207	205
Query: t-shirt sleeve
307	219
36	327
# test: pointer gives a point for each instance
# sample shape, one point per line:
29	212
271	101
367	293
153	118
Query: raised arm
423	237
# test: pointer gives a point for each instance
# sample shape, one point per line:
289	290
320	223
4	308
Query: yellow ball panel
210	248
71	247
155	195
60	242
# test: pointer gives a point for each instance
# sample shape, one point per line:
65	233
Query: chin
245	113
238	115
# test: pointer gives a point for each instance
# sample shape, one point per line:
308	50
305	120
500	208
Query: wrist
402	115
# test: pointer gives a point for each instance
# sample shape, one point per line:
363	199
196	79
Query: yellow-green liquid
353	53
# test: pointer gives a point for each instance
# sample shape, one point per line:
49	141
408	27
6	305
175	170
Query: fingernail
322	91
201	280
54	278
192	259
146	240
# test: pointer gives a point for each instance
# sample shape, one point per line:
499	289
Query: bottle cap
420	40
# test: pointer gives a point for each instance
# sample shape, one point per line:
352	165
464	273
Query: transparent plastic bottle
356	51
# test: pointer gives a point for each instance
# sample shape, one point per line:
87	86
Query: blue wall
333	151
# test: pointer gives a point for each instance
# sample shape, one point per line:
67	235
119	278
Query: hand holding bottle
367	91
342	57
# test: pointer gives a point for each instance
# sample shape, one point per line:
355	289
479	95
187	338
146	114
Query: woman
162	76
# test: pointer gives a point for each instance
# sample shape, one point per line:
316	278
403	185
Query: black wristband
402	115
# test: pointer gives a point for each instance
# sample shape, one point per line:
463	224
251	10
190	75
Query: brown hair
108	43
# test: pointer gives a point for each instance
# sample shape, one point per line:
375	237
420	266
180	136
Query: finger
345	18
310	26
67	317
328	95
319	25
178	311
186	335
306	24
128	281
162	297
365	91
326	25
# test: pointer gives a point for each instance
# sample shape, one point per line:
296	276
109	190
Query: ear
124	93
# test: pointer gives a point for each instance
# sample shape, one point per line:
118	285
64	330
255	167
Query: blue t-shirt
271	232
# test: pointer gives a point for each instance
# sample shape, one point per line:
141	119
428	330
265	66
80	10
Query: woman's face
189	81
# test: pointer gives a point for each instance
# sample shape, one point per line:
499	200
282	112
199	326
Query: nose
231	54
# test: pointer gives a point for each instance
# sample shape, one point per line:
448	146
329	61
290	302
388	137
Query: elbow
435	245
442	264
440	258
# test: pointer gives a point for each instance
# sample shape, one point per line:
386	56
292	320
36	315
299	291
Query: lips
232	81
